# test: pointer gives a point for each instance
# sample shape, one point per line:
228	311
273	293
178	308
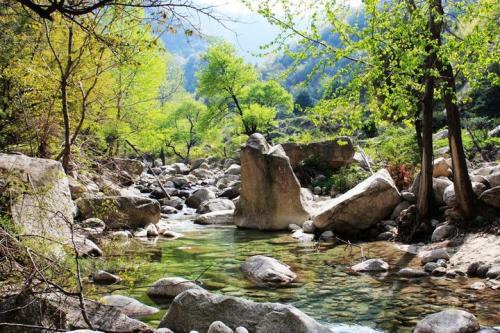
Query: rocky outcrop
448	321
270	193
267	272
41	197
361	207
120	211
198	309
62	312
334	153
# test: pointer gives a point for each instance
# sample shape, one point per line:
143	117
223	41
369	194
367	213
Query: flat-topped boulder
334	153
448	321
196	310
361	207
120	211
270	197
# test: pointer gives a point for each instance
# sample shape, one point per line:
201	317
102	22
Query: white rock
371	265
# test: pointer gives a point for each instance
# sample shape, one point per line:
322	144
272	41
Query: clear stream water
324	290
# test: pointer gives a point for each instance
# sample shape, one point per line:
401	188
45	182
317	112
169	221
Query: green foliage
395	145
345	178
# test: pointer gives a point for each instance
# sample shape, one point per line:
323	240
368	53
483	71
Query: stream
324	290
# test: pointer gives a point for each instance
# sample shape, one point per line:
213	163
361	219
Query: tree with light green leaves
402	57
232	88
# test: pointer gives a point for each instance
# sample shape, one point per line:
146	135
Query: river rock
308	227
234	169
491	197
180	168
439	271
91	227
443	232
442	134
412	273
129	306
133	167
348	213
371	265
433	255
170	287
214	205
219	217
120	211
302	236
84	246
334	153
103	277
270	196
267	272
199	196
440	168
399	208
197	309
43	205
174	202
430	266
62	311
495	132
448	321
219	327
241	330
493	271
438	186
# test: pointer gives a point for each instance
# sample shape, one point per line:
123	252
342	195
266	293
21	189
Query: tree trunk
461	180
67	141
425	194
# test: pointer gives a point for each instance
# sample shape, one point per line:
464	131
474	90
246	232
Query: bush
396	145
343	179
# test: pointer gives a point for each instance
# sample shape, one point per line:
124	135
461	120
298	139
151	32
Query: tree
399	56
231	87
224	79
183	129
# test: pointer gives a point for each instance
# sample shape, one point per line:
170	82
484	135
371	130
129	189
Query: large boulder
198	309
133	167
439	185
361	207
120	211
270	193
448	321
63	312
267	272
41	196
334	153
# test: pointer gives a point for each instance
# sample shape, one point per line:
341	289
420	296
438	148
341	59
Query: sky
250	30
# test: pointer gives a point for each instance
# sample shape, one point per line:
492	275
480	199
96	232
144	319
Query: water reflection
326	292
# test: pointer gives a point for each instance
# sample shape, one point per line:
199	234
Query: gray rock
493	272
438	186
495	132
120	235
478	285
293	227
442	263
412	273
448	321
214	205
240	330
180	168
442	134
91	227
439	271
219	327
197	309
443	232
270	194
433	255
386	235
174	202
103	277
308	227
199	196
171	234
129	306
327	234
399	208
151	230
267	272
120	211
170	287
430	266
85	247
233	169
219	217
449	197
371	265
348	214
409	196
302	236
491	197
